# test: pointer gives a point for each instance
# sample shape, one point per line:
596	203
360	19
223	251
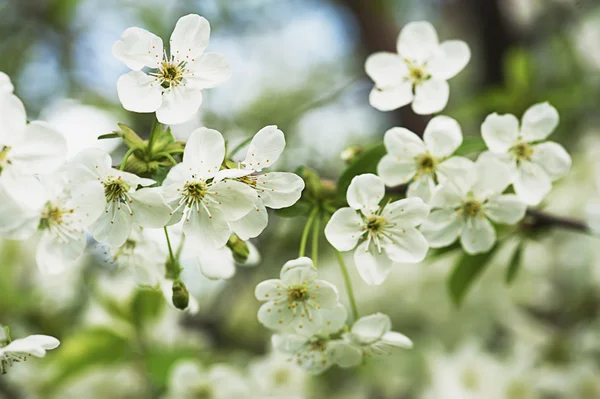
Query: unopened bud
239	249
351	153
181	296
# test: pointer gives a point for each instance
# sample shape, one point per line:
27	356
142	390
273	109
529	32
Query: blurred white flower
297	300
418	73
374	335
196	194
173	89
586	37
123	206
275	190
274	376
322	349
188	380
463	208
423	163
390	228
533	164
81	125
19	349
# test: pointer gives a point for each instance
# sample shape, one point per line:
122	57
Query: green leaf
146	306
465	272
300	208
366	163
109	136
519	69
158	363
515	263
471	145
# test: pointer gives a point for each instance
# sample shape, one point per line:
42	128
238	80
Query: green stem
168	156
180	248
126	157
315	239
174	268
348	283
309	223
153	129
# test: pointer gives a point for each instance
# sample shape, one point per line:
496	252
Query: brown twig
536	219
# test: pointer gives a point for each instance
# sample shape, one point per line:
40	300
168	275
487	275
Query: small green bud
181	296
239	249
351	153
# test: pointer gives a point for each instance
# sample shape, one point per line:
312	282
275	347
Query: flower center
115	189
53	216
281	377
170	74
472	208
375	224
4	157
297	294
470	380
522	151
194	192
417	73
426	163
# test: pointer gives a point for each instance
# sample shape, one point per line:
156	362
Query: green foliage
465	273
515	262
471	146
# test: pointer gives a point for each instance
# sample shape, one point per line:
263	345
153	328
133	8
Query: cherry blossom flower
418	73
205	203
189	380
464	208
173	86
374	335
19	349
297	299
422	163
533	162
381	234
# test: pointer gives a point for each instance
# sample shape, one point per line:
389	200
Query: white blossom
276	377
463	208
533	162
374	336
19	349
206	204
173	86
297	300
123	205
275	190
188	380
422	163
418	72
381	234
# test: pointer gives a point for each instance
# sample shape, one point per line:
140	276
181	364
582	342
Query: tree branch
536	219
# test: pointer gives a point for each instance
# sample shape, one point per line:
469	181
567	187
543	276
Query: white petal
27	192
16	218
275	317
207	231
267	290
334	319
298	271
442	227
88	201
96	164
44	150
344	354
394	172
457	169
422	188
539	121
478	235
403	144
390	98
54	255
365	192
207	71
234	199
45	341
418	41
138	48
324	293
12	117
500	132
447	196
139	92
408	245
204	152
288	343
370	329
493	176
190	37
231	174
406	212
532	183
553	158
442	136
6	85
265	148
216	263
372	266
386	69
114	227
451	58
251	225
508	209
179	105
279	189
397	339
149	208
344	229
431	97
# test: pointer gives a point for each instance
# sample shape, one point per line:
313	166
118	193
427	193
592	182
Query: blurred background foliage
299	64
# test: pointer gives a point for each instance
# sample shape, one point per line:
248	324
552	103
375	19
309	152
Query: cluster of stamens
426	164
472	208
375	227
417	74
170	72
59	221
194	198
116	193
315	348
522	151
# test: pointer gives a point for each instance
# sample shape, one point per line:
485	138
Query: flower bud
239	249
181	296
351	153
